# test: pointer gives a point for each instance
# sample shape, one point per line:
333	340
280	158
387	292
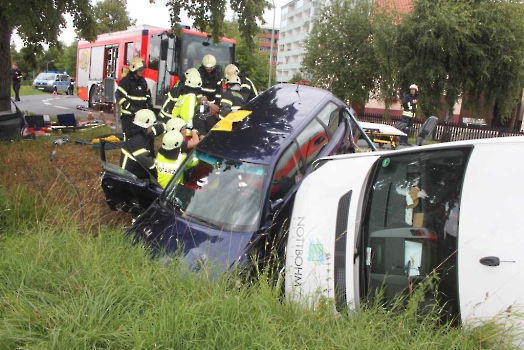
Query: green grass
28	90
71	285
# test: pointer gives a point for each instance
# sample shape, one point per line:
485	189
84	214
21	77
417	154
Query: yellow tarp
226	124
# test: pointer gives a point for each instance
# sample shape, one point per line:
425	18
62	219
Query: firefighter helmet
209	61
171	140
144	118
414	87
233	79
136	64
175	124
231	69
193	80
191	71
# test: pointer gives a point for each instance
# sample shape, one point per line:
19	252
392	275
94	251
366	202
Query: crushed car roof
275	115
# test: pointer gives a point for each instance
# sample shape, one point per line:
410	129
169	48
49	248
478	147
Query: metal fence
446	132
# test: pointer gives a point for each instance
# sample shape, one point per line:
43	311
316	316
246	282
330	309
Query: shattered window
412	222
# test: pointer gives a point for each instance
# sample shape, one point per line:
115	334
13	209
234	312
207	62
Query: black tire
92	98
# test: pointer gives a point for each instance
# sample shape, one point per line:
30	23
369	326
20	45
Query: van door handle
493	261
490	261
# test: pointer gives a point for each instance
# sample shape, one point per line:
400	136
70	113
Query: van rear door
491	238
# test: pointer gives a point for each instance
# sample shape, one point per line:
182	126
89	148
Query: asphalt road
53	105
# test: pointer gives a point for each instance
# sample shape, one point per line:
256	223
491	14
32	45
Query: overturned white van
386	220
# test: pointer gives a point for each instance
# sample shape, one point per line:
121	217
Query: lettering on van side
299	252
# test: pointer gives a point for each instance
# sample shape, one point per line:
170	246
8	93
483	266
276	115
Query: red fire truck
166	56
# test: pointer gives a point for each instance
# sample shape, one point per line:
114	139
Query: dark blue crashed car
231	199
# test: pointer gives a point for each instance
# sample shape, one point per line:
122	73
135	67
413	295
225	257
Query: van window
154	52
311	141
412	221
288	173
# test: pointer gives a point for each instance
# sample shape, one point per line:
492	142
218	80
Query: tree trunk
5	63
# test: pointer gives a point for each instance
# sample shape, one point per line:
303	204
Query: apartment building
264	43
296	23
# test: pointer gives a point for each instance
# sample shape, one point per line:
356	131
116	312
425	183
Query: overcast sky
156	14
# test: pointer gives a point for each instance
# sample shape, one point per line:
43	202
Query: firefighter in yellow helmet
211	81
132	95
186	103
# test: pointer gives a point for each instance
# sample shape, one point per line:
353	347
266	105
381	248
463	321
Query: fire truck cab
103	62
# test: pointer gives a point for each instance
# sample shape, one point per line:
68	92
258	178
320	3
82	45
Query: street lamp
272	42
47	65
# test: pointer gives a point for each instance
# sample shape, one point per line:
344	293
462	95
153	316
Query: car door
491	271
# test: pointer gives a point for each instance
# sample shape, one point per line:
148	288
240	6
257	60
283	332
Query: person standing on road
132	95
409	104
16	76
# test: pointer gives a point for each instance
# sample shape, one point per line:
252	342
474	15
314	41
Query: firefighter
177	124
211	80
132	95
187	101
137	156
232	98
170	156
249	91
409	104
172	96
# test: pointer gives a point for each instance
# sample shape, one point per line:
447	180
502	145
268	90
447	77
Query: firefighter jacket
231	100
185	108
137	157
169	103
133	94
409	103
249	91
167	163
210	83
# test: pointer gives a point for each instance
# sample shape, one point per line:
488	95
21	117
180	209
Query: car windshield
46	76
217	192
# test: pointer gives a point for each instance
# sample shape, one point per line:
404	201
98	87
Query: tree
296	77
252	62
112	16
37	22
456	48
209	15
340	59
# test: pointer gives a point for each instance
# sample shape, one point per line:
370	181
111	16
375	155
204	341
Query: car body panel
491	220
277	116
488	222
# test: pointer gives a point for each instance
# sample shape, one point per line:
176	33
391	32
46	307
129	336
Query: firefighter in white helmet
232	98
137	156
170	156
174	92
409	105
132	95
211	80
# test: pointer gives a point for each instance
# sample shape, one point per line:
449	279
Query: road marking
61	107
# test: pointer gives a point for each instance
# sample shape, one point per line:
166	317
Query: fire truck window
129	53
288	173
137	48
311	141
154	51
330	116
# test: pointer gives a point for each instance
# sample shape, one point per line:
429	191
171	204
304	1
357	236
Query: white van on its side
386	220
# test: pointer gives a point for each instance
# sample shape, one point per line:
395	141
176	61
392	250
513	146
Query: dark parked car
231	199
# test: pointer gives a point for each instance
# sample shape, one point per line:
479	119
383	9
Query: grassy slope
67	285
28	90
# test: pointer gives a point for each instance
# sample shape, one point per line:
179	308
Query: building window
299	4
284	11
283	23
